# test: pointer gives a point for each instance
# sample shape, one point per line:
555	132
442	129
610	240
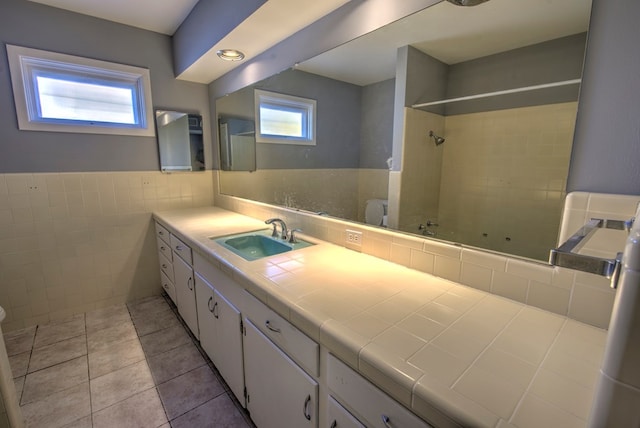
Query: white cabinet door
186	294
206	321
221	334
228	359
339	417
279	393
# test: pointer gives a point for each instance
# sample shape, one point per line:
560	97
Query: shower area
476	168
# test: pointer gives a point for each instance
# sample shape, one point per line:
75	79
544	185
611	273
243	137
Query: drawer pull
163	248
334	424
179	248
165	286
164	265
160	233
306	408
267	324
386	421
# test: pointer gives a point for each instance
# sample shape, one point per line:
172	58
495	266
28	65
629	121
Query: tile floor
132	365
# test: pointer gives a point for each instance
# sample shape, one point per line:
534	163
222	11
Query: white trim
19	58
306	104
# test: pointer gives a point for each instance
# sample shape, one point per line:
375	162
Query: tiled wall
515	159
72	242
581	296
338	192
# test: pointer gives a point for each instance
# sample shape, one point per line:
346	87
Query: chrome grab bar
566	255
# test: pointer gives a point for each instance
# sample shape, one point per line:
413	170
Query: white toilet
375	212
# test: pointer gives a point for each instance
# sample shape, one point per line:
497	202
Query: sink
258	244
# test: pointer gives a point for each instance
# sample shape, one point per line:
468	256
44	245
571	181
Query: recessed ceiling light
230	55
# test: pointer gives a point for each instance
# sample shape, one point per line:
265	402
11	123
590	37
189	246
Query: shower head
438	140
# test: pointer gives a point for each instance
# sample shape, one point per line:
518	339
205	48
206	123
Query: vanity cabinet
186	294
369	404
279	392
339	417
220	325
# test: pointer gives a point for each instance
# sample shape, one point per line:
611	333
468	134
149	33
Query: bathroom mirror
489	171
180	143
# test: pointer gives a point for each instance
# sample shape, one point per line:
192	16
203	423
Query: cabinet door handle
267	324
209	304
334	424
305	409
190	283
215	313
386	421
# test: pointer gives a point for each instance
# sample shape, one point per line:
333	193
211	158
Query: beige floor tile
147	324
147	307
19	384
85	422
106	317
188	391
164	340
38	385
103	339
219	412
139	411
19	363
117	356
119	385
19	341
59	409
175	362
58	352
48	334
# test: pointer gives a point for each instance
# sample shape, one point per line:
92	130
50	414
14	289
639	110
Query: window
64	93
285	119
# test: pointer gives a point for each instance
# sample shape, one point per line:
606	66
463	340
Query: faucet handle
292	236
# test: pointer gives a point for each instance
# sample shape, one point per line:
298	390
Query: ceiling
452	34
449	33
267	26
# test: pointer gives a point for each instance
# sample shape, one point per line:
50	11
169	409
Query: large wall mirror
453	123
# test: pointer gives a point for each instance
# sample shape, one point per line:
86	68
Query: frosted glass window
284	119
63	93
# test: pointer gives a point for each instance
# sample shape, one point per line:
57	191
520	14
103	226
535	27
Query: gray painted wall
338	121
606	148
29	24
377	124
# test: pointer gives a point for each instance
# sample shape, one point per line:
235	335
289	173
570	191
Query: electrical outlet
354	237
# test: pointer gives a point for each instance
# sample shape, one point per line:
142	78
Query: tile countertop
451	353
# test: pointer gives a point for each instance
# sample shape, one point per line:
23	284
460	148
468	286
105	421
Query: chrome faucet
283	227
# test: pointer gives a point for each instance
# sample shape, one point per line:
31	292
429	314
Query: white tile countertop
447	351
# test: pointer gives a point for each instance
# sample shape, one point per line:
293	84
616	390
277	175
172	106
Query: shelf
498	93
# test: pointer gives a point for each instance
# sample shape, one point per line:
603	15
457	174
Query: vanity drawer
166	266
182	249
369	404
165	249
168	286
292	341
163	233
339	417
